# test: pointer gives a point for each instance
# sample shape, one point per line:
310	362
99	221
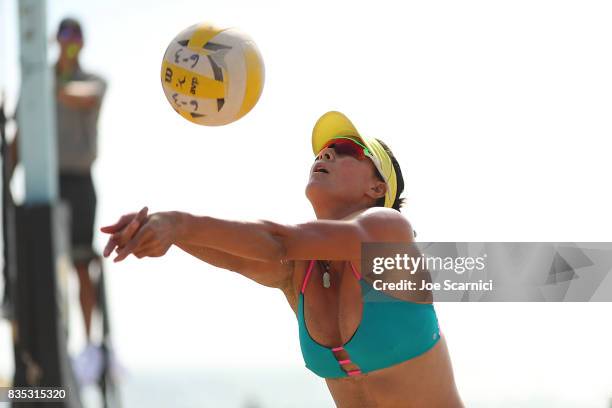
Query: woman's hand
123	230
156	235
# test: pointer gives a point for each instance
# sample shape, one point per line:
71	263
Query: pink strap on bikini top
311	265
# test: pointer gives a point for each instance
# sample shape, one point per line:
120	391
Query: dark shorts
79	192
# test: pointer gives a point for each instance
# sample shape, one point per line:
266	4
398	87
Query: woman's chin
314	182
316	190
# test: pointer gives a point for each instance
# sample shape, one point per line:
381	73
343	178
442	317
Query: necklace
326	281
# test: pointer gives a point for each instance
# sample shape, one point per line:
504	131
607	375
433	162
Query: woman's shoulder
386	223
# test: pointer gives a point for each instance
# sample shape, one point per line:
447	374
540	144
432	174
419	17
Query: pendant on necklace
326	282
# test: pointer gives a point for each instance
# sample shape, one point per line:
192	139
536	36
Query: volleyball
212	76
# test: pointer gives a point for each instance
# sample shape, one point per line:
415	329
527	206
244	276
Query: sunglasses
347	146
70	33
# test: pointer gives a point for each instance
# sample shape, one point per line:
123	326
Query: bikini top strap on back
357	275
310	266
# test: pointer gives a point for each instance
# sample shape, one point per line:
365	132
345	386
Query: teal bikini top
391	331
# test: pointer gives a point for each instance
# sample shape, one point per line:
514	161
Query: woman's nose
326	154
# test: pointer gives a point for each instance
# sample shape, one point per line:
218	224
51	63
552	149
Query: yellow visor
334	124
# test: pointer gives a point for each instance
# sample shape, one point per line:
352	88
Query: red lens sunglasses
346	146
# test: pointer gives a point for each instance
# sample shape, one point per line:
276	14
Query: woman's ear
377	190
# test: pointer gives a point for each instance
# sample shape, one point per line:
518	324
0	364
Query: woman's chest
331	306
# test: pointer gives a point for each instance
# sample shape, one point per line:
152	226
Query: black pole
8	221
9	247
35	235
109	388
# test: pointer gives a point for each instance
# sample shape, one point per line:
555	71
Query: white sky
499	113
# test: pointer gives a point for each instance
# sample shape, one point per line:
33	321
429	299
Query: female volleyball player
373	349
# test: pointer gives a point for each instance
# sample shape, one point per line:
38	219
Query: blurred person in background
79	96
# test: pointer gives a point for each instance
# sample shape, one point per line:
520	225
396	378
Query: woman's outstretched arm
271	274
267	241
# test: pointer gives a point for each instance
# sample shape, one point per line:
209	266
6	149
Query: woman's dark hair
399	201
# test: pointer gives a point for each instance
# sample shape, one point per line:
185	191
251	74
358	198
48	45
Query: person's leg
84	251
79	191
87	295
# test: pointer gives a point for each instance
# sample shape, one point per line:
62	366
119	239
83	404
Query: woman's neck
339	213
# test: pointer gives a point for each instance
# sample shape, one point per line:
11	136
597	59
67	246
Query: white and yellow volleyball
212	76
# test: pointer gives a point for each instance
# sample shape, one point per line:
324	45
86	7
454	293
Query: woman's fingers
123	221
154	238
139	239
125	233
110	246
